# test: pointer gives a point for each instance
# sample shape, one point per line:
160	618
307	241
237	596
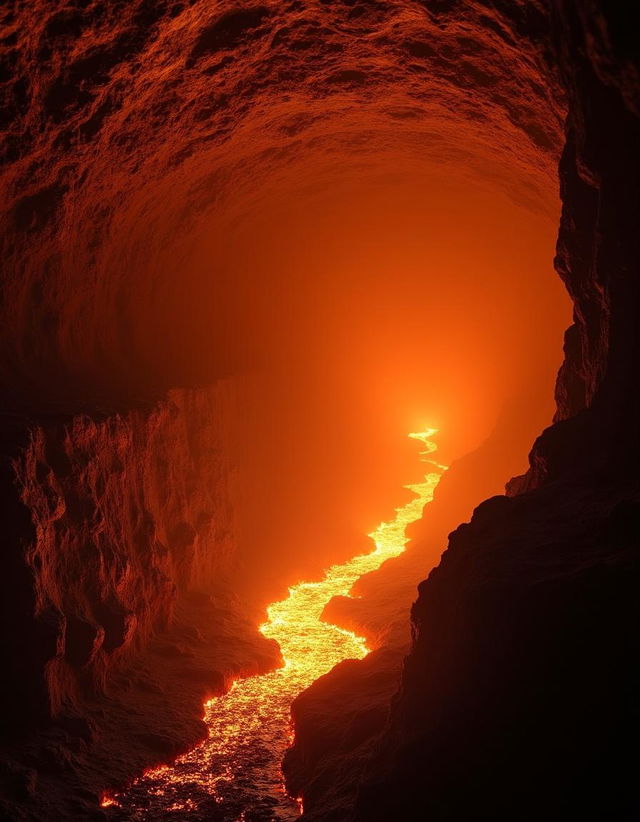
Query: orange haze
347	211
389	308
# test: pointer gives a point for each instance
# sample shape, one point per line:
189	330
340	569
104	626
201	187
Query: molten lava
237	768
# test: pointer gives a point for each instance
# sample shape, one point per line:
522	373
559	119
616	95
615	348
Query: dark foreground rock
149	713
519	698
338	721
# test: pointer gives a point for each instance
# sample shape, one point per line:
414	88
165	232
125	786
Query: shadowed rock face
340	718
519	699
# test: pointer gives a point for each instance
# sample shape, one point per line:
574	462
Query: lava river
235	775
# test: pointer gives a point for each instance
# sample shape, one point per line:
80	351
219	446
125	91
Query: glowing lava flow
235	775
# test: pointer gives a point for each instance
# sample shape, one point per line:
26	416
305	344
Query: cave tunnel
247	249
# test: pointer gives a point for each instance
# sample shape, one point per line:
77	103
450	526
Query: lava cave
248	247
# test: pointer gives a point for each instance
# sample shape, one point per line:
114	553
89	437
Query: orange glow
373	311
249	727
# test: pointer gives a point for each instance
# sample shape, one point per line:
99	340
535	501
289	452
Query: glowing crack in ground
235	775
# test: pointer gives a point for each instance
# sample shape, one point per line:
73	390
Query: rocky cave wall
519	696
131	128
110	521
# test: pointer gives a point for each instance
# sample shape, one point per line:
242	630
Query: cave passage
302	200
245	244
237	770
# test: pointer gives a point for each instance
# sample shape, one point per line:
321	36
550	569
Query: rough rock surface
382	600
125	128
519	697
334	740
116	616
131	128
326	762
124	514
148	713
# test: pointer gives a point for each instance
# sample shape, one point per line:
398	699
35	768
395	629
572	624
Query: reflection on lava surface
234	775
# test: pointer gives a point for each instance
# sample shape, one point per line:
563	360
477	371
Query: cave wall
119	149
131	130
140	141
110	522
519	697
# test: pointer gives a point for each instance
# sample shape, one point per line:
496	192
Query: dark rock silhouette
518	699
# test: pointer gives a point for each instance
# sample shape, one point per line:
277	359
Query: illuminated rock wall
131	130
120	517
135	130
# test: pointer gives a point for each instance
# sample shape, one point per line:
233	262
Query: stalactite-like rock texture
118	614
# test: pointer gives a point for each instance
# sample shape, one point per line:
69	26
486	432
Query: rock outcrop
328	758
519	698
117	613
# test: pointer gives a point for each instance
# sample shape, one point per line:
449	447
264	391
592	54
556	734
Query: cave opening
247	249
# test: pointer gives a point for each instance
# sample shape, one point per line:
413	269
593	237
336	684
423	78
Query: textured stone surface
117	616
127	127
126	513
326	763
131	126
519	697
